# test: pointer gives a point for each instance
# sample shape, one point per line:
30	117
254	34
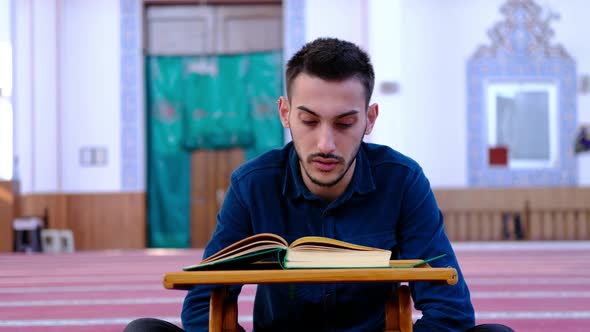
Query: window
523	118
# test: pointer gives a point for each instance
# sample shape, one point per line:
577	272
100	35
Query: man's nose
326	142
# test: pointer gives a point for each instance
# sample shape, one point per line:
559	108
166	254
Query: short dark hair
332	59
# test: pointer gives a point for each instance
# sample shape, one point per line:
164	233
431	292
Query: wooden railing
117	220
99	221
8	210
493	214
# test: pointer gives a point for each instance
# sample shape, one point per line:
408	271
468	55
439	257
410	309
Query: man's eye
343	125
309	122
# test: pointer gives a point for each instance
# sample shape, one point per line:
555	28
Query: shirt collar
361	182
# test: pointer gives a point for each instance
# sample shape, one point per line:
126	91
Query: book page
317	242
337	258
262	241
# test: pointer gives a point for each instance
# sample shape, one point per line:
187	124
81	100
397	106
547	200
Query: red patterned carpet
529	286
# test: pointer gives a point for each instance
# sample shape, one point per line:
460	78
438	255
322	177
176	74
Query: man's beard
326	156
333	182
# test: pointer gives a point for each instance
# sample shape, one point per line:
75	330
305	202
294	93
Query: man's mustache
325	156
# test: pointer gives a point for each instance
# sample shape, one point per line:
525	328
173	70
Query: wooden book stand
223	310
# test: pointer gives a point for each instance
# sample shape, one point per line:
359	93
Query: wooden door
210	174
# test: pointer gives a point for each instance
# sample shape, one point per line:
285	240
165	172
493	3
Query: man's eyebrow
340	116
343	115
305	109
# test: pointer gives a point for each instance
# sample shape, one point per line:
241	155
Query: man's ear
284	111
372	114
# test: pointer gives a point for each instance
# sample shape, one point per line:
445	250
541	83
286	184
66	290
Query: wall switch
93	156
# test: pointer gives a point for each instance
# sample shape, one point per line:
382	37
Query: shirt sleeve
233	224
421	235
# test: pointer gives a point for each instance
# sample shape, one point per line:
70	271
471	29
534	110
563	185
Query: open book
305	252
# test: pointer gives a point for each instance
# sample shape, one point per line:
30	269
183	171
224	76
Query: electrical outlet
93	156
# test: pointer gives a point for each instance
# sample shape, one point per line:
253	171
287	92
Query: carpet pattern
530	286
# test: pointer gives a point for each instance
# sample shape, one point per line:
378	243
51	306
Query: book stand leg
398	311
223	311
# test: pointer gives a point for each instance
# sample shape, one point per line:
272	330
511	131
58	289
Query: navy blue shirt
388	204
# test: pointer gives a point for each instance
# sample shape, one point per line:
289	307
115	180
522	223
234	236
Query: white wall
437	39
336	18
6	131
67	83
424	45
44	96
384	47
571	31
90	83
22	94
5	21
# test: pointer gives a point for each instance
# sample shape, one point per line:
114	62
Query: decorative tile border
132	143
294	26
293	34
521	52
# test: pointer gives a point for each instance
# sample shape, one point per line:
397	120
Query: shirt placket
328	230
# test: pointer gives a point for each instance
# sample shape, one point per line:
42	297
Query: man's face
327	120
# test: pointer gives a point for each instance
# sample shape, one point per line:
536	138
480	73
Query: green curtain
264	84
203	102
168	161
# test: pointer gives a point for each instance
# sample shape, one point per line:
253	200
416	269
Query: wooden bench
494	214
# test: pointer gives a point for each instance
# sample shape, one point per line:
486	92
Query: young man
328	182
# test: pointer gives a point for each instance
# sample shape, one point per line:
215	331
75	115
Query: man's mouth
324	165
